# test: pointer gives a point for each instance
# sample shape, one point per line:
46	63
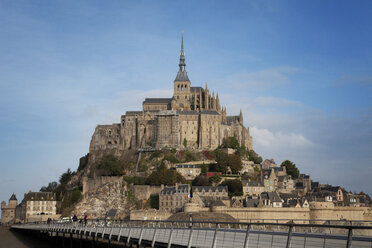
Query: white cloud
274	101
267	139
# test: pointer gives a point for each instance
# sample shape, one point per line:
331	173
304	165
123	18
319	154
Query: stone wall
150	214
143	192
90	185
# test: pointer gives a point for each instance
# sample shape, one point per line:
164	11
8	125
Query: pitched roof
157	100
40	196
187	166
187	112
218	203
252	183
13	198
197	89
272	196
207	188
182	76
210	112
181	189
252	202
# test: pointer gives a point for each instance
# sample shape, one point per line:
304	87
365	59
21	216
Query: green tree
235	163
185	142
222	160
235	187
165	176
201	180
111	166
65	177
291	169
215	179
52	186
230	142
204	168
253	156
154	201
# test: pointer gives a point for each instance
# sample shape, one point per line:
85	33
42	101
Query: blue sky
299	70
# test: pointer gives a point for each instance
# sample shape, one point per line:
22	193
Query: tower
13	201
181	93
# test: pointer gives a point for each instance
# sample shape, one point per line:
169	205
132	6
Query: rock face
110	195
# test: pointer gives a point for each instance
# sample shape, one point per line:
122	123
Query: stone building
37	204
173	198
207	196
252	188
8	211
188	171
192	116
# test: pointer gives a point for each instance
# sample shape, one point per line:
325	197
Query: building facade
173	198
192	116
38	203
8	212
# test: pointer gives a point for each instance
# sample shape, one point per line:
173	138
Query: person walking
85	219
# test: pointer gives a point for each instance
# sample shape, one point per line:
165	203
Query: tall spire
182	74
182	56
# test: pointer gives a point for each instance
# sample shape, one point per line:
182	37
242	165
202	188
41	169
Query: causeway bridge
166	233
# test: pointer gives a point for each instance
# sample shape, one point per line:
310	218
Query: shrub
135	180
189	156
201	180
111	166
165	176
235	187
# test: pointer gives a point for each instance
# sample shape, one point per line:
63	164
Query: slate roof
218	203
188	112
197	89
182	76
40	196
13	197
282	178
232	119
182	189
207	188
133	113
252	202
252	183
210	112
187	166
157	100
272	196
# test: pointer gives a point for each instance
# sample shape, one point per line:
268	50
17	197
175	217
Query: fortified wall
90	185
316	211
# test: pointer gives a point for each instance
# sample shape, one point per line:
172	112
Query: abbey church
192	117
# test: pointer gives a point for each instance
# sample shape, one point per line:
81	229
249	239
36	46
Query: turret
241	117
218	103
13	200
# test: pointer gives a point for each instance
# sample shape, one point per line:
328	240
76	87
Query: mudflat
11	239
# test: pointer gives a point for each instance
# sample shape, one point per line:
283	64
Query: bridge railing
218	234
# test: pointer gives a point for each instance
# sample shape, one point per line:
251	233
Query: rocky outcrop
111	195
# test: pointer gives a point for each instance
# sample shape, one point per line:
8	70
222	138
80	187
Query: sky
301	72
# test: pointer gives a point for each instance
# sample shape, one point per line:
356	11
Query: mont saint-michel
193	117
184	155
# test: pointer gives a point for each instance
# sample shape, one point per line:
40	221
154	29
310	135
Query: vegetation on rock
235	187
291	169
165	176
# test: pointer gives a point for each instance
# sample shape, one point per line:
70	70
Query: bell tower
182	84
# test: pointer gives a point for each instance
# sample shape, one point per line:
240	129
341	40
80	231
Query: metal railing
215	234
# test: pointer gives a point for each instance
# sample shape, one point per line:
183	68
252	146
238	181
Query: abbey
192	117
